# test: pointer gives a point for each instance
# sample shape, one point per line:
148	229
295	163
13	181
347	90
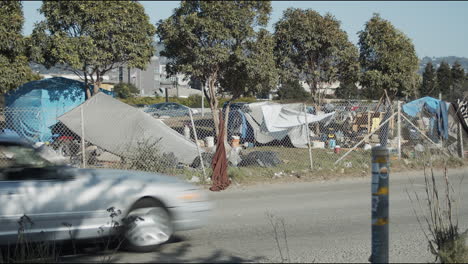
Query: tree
388	60
458	82
429	83
210	41
125	90
444	79
93	37
314	48
251	69
14	66
292	89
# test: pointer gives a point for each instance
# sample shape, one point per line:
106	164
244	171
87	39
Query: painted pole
380	205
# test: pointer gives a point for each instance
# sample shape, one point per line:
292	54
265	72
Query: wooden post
83	149
365	138
399	131
460	141
198	147
308	138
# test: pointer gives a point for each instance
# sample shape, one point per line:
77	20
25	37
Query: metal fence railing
342	141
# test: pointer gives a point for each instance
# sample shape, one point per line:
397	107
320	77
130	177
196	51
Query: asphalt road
323	222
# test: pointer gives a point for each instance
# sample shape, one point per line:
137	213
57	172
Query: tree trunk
214	102
97	84
86	86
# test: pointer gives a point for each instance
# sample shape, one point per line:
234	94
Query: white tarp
121	129
283	117
271	121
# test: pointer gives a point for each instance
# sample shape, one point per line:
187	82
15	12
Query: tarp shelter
437	109
270	121
32	109
34	106
121	129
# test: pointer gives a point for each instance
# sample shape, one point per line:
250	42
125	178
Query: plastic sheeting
272	121
121	129
33	108
437	108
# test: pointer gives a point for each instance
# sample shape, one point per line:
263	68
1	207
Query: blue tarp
438	110
32	109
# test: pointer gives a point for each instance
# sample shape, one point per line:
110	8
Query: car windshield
20	156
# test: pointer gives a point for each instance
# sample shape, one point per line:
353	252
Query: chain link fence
340	143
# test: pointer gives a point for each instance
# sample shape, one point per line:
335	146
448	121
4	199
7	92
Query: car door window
21	163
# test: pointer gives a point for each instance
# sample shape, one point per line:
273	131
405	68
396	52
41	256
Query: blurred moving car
144	209
169	110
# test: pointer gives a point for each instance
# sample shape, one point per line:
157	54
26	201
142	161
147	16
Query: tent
120	129
33	108
438	111
272	121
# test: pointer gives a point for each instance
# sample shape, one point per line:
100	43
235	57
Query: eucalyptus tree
388	60
14	66
93	37
313	48
222	44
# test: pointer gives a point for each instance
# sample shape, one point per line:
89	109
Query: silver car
53	202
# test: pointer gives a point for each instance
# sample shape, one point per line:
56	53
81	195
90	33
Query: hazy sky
436	28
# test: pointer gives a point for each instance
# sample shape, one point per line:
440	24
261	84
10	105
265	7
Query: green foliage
314	48
429	83
193	101
147	157
93	37
388	60
14	67
125	90
347	91
459	84
292	89
251	69
444	79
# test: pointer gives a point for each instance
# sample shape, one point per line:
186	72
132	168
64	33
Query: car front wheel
149	225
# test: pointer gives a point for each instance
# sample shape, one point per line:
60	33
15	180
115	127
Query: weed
277	223
445	240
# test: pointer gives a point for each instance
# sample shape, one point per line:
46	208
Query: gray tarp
272	121
120	128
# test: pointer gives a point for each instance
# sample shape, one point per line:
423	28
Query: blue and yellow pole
380	205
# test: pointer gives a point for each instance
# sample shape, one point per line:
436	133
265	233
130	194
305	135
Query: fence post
399	130
380	204
460	141
308	138
83	149
198	147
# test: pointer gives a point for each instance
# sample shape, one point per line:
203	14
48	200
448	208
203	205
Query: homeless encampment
121	129
32	109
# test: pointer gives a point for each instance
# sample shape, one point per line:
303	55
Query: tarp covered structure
436	108
270	121
32	109
121	129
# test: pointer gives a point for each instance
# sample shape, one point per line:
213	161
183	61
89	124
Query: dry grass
439	212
